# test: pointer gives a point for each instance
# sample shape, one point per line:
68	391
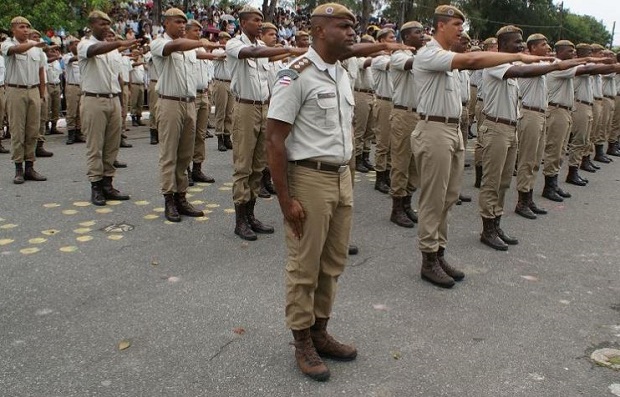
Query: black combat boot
170	208
408	210
432	272
154	136
31	175
549	191
70	137
41	152
573	177
184	207
199	176
267	182
359	165
398	215
109	192
456	274
242	227
523	206
600	154
96	193
612	149
256	225
366	161
190	180
501	234
228	142
381	182
586	164
220	143
490	237
530	202
19	174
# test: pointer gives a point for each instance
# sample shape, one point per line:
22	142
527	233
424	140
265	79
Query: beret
18	20
34	31
535	36
411	25
99	15
449	11
301	33
222	35
333	10
384	32
267	25
583	46
597	47
251	10
508	29
564	43
175	12
368	38
194	22
475	48
490	41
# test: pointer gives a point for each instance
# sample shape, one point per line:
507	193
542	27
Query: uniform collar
316	59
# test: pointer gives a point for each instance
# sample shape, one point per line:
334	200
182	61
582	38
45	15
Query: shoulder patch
288	73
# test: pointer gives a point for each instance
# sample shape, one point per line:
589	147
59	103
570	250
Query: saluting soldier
136	88
40	150
364	119
223	97
615	125
53	71
600	109
606	134
302	39
25	89
73	93
3	150
100	109
152	96
404	119
247	57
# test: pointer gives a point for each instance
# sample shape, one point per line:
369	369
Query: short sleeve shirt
561	86
402	79
364	80
137	74
534	91
320	110
436	85
249	75
382	80
2	70
54	71
597	86
22	69
202	71
501	95
100	72
463	76
72	70
609	84
150	67
584	88
177	74
220	67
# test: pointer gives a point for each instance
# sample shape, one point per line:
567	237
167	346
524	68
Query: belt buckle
342	168
110	96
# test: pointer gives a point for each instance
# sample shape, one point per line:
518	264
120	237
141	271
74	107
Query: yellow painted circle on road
113	202
104	210
81	203
115	236
229	210
6	241
69	248
30	250
82	230
224	188
89	223
195	189
50	232
141	202
151	216
197	202
212	205
69	212
51	205
8	226
83	239
228	184
158	209
202	219
37	240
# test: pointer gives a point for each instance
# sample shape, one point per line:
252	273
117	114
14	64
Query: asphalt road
201	311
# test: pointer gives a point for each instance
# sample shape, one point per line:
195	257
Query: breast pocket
252	67
327	109
450	81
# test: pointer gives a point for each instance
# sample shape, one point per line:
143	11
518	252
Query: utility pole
613	31
561	19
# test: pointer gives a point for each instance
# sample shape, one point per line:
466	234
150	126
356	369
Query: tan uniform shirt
53	72
584	88
320	109
476	78
136	74
272	69
597	86
22	69
177	74
72	70
436	86
617	78
560	84
402	79
150	66
463	76
609	84
534	92
202	71
126	68
364	80
99	73
501	95
350	64
220	71
249	75
2	70
382	80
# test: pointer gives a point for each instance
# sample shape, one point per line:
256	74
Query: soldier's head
412	34
223	38
386	35
251	20
584	50
462	45
193	30
537	45
448	25
20	27
175	23
34	35
510	39
302	39
72	43
269	34
332	29
564	49
99	23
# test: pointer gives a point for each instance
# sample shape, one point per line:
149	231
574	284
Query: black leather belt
153	81
384	98
598	99
364	91
73	84
534	109
500	120
405	108
584	102
54	84
609	96
252	102
557	105
464	103
200	91
479	99
95	95
225	81
187	99
439	119
27	87
321	166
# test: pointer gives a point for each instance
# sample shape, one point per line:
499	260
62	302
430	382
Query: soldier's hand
606	61
399	46
525	58
130	44
40	44
296	51
209	45
295	216
571	63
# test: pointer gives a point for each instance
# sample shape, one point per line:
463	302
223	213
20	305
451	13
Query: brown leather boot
19	174
96	193
489	235
242	227
398	215
228	142
530	202
31	175
523	207
381	182
184	207
170	209
432	272
327	346
199	176
256	225
41	152
456	274
308	360
502	234
408	210
109	192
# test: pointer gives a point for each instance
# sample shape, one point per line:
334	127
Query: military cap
251	10
535	37
99	15
564	43
333	10
175	12
368	38
71	39
18	20
508	29
222	35
465	35
411	25
583	46
267	25
475	48
194	22
490	41
301	33
384	32
449	11
597	47
34	31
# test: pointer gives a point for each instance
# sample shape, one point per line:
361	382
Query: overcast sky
606	10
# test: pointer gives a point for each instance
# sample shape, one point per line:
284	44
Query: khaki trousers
203	108
317	259
249	158
363	121
531	138
605	131
53	95
597	115
383	109
2	106
153	98
558	127
177	127
126	93
473	101
43	117
404	175
499	153
137	99
479	120
581	129
614	133
224	105
439	156
73	98
465	124
23	110
101	122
